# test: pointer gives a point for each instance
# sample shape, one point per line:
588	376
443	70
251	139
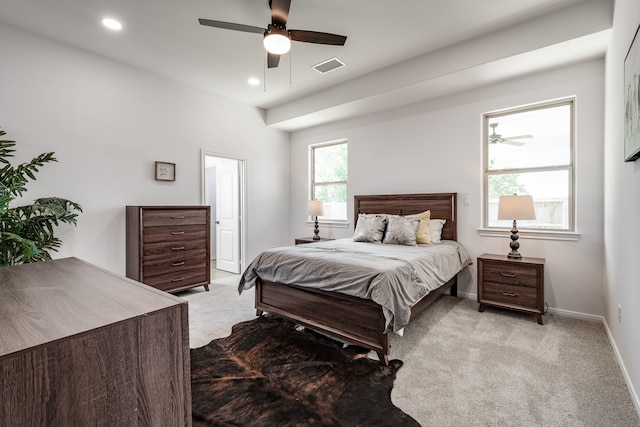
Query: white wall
436	147
622	206
108	123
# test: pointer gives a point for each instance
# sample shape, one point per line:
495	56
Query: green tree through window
329	178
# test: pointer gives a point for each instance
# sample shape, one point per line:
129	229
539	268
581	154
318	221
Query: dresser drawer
166	250
162	217
175	264
510	274
523	296
174	234
179	280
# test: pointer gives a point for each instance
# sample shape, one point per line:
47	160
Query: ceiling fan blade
511	142
272	60
232	26
279	12
519	137
317	37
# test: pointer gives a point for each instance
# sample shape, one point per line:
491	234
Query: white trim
329	224
627	379
568	236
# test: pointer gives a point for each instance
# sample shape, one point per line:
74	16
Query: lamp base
316	231
514	245
514	255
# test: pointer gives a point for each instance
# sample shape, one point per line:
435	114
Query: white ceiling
396	52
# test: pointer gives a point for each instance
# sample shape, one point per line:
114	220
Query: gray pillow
369	229
401	230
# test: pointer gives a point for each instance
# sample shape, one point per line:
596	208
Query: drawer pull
177	264
508	274
178	217
181	248
508	294
178	280
177	233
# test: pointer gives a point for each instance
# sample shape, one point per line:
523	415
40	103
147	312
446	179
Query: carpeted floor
462	367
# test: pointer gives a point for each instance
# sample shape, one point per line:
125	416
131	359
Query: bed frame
351	319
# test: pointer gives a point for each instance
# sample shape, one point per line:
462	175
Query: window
530	151
329	179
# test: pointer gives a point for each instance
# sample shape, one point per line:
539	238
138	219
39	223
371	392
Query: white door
227	216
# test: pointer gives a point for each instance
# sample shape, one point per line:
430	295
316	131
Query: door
227	216
223	190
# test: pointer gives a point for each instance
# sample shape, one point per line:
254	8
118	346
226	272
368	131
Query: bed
353	319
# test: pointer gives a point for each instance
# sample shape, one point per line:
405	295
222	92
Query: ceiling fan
496	138
277	39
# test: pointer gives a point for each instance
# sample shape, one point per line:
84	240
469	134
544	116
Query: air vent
329	65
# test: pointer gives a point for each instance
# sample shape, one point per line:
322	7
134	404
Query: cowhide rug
267	373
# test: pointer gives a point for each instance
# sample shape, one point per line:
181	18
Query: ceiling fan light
277	42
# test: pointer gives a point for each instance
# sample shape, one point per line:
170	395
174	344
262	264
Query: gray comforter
394	276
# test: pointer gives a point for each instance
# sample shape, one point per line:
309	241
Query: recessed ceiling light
253	81
112	24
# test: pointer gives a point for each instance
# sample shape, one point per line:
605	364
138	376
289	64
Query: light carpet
462	367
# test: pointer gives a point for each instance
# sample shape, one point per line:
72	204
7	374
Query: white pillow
435	229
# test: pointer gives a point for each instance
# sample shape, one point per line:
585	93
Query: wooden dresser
80	346
168	247
516	284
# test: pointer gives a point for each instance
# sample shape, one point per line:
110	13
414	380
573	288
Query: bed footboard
355	320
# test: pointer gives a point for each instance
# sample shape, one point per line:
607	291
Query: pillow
423	236
369	229
401	230
435	229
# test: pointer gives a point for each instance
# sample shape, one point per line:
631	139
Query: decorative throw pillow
369	229
422	236
435	229
401	230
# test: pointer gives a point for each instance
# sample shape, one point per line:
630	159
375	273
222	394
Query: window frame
568	233
312	182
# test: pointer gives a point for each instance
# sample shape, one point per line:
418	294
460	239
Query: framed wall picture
165	171
632	101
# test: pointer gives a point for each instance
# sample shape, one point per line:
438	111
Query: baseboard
627	379
553	311
591	317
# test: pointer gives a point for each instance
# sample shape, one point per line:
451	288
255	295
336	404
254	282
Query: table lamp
315	208
515	207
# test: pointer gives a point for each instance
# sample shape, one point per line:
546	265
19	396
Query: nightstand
514	284
302	240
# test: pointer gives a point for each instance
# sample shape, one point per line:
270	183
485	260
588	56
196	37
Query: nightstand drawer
510	274
509	294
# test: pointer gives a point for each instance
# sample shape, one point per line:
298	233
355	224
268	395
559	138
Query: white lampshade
516	207
315	208
276	40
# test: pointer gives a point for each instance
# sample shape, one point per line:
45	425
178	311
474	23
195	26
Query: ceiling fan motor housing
276	40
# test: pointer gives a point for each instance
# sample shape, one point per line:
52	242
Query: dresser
515	284
81	346
168	247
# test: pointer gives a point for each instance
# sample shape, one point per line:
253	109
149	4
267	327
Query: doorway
223	189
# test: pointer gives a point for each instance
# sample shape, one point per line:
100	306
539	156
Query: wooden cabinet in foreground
168	247
80	346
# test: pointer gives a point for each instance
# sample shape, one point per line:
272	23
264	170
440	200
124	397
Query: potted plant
27	232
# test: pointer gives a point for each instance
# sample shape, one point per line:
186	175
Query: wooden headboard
441	205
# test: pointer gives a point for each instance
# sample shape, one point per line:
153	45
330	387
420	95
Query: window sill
567	236
330	224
